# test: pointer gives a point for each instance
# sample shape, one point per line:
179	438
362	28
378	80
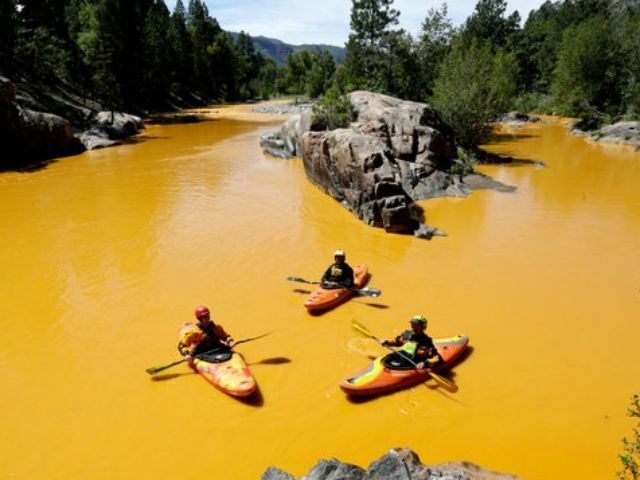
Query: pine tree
488	23
367	46
7	34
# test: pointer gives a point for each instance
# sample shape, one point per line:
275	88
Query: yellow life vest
410	348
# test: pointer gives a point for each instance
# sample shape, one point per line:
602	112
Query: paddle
365	292
358	327
154	370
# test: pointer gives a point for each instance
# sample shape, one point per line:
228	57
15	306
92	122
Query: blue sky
327	21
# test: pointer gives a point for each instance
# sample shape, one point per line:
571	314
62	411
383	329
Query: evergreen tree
320	77
181	51
433	47
157	57
488	23
367	46
7	33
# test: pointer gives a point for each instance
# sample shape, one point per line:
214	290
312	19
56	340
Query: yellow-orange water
105	254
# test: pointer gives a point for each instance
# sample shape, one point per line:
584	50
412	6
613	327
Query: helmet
419	320
201	311
338	253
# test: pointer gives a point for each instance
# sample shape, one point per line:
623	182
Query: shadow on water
177	119
271	361
509	137
254	400
302	291
171	376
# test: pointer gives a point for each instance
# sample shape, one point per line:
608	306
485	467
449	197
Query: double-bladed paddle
154	370
448	384
365	292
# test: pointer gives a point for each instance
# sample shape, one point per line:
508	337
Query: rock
397	464
118	124
394	153
109	129
335	470
517	118
273	473
428	232
29	137
621	132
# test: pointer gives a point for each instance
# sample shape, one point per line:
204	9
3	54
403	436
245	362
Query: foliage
433	46
366	65
588	80
631	457
474	85
488	23
332	111
7	31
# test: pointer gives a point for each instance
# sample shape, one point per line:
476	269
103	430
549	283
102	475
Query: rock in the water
397	464
273	473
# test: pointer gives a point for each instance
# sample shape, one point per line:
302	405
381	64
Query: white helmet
339	253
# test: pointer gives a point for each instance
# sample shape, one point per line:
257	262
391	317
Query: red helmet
201	311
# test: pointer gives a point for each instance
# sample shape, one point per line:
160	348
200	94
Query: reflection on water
105	254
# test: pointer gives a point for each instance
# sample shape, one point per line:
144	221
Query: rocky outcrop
109	128
29	136
622	133
394	153
398	464
517	119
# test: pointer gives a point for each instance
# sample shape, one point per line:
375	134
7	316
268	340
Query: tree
588	80
365	60
488	23
7	33
433	46
320	77
181	51
473	86
157	57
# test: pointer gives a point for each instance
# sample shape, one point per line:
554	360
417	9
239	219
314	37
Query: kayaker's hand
231	343
420	365
188	357
385	343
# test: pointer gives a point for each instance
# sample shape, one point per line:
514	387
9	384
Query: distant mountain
278	50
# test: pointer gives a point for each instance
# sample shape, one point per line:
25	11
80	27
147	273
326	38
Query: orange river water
105	254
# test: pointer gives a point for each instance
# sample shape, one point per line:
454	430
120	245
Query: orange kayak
385	374
226	370
324	299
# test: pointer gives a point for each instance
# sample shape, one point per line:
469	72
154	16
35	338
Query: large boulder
394	153
397	464
29	137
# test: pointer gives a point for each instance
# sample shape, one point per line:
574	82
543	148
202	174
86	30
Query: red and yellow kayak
225	370
324	299
380	377
231	376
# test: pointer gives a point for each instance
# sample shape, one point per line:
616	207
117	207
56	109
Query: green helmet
419	320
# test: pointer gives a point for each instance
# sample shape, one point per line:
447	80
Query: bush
332	111
631	457
474	86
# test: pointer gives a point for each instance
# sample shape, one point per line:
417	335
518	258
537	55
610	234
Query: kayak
324	299
390	372
232	375
225	370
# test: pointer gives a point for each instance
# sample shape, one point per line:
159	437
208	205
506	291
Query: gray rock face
29	137
397	464
109	129
395	152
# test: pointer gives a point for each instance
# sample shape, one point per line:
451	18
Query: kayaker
338	275
416	344
204	336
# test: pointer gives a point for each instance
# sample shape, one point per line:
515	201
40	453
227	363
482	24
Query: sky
308	21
